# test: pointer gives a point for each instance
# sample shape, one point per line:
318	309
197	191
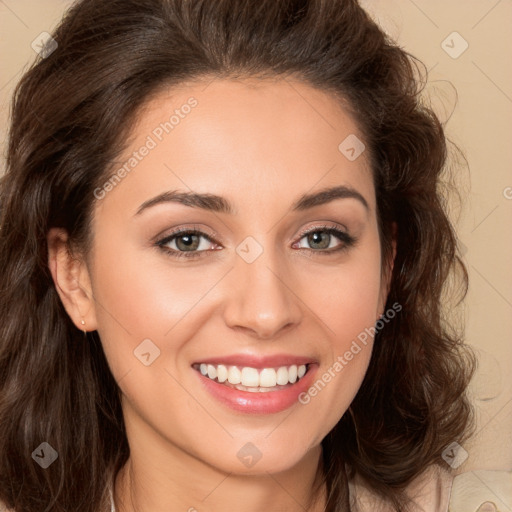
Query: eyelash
346	239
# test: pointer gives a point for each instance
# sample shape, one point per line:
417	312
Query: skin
261	145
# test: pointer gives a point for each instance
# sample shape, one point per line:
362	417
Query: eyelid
212	235
340	232
312	229
194	229
333	229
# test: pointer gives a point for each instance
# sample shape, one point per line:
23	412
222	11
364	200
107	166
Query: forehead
256	141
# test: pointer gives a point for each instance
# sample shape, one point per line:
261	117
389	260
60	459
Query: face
267	278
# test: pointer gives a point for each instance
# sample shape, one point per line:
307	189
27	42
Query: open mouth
255	380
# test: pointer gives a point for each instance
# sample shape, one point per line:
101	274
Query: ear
72	280
387	271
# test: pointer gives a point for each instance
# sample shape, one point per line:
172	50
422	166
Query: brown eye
320	239
323	240
186	243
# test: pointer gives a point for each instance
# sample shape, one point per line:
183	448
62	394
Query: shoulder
429	492
482	491
437	490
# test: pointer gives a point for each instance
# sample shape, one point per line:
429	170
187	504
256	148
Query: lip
258	362
254	402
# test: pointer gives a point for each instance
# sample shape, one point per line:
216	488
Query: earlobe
71	279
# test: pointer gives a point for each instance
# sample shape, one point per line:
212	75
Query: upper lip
257	361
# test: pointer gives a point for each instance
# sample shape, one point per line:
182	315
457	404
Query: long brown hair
71	114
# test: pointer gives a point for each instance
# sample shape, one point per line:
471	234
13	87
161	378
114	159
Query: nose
262	301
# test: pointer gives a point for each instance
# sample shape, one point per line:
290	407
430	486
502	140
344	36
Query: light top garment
438	491
112	505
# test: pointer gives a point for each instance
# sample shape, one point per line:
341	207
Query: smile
253	379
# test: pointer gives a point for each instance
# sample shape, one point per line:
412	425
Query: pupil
186	241
316	238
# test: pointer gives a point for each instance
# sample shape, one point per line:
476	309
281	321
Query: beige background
480	124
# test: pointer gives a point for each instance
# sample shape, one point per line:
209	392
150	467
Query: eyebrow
219	204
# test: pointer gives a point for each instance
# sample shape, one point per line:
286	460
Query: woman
223	251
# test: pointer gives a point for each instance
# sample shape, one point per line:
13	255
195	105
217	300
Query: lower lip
256	402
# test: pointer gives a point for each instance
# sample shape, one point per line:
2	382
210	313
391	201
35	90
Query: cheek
138	298
141	294
347	297
141	297
348	304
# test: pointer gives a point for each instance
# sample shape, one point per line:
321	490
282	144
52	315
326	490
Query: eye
192	243
188	243
322	239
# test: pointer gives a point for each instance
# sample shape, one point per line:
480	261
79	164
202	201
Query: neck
174	480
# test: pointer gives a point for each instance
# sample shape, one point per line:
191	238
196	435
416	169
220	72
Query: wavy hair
71	115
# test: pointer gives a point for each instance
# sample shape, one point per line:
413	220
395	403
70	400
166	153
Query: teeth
212	371
234	375
252	379
268	378
282	376
222	373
